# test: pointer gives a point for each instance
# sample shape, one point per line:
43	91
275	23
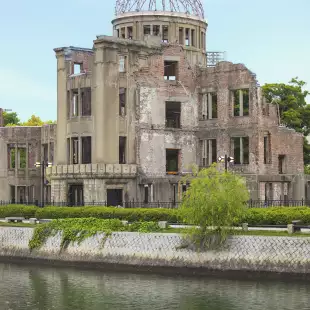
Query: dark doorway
114	197
76	195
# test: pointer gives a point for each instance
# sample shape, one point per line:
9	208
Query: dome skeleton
193	7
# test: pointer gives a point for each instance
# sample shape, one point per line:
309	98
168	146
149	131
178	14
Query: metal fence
161	204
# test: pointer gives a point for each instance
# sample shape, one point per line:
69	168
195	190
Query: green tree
294	110
10	119
214	199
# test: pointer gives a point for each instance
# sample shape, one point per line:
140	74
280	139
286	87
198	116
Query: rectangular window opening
281	164
77	68
129	33
146	194
122	150
86	101
122	101
86	150
181	35
187	36
193	38
241	102
173	114
267	149
156	30
146	29
122	63
241	150
123	33
172	161
209	152
75	151
68	151
165	34
75	103
170	70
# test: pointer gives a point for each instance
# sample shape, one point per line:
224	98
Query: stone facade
136	111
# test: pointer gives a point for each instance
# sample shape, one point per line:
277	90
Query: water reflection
42	288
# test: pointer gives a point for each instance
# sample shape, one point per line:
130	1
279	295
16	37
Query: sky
271	37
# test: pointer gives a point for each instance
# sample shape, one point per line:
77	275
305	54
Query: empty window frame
209	152
156	30
122	63
172	161
267	148
173	114
68	151
16	160
129	33
181	35
170	70
187	30
122	150
123	36
86	150
77	68
241	102
281	160
209	106
75	150
75	103
241	150
146	29
122	101
165	34
193	37
146	194
86	101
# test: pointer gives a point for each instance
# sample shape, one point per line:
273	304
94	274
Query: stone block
133	169
54	170
245	227
33	220
117	169
64	169
70	168
101	168
125	169
109	168
290	229
163	224
94	168
88	168
82	168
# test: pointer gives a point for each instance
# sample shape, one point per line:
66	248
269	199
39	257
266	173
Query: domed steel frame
192	7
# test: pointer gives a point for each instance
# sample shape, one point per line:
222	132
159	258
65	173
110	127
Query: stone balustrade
93	170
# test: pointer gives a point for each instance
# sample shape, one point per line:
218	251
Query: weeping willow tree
214	201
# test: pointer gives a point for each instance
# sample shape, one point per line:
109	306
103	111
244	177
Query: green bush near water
255	216
78	229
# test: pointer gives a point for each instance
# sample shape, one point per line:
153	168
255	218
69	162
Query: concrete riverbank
162	250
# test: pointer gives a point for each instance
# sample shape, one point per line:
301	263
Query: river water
45	288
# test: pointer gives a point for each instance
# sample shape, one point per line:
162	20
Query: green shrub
276	216
131	215
17	210
78	229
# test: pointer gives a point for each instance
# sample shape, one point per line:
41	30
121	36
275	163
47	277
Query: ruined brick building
139	108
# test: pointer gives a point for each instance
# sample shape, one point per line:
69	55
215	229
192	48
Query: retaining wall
250	253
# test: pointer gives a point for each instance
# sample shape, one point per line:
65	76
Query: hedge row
255	216
132	215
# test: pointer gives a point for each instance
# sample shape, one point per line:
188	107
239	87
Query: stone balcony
92	170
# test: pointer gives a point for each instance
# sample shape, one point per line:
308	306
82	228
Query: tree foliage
214	199
293	107
11	119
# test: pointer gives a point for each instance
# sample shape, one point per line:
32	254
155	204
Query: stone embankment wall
248	253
